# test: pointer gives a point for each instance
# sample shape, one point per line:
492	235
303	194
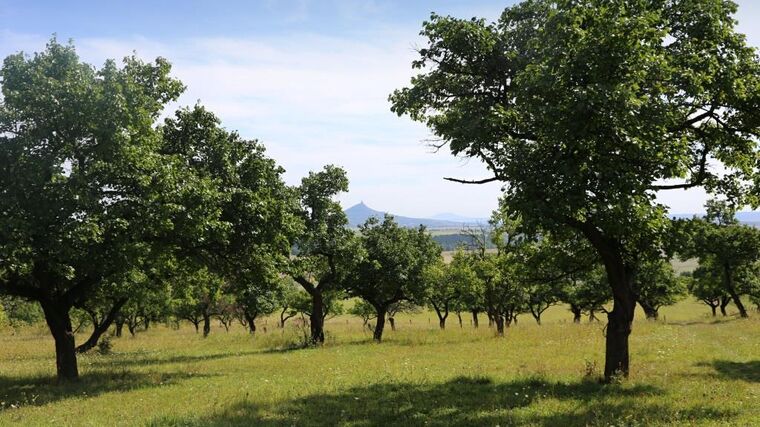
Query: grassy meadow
687	369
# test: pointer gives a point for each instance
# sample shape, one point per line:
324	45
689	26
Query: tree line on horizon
584	110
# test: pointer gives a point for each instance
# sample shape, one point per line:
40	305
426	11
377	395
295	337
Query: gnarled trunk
728	280
379	324
250	320
499	321
206	325
650	311
577	312
316	319
99	328
620	319
59	322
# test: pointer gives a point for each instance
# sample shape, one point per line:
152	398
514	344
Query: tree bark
251	322
724	301
59	322
499	320
119	326
316	319
577	312
728	279
475	319
620	319
650	311
392	322
713	308
442	315
100	328
459	316
379	324
206	325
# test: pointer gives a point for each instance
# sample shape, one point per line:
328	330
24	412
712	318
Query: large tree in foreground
81	179
586	109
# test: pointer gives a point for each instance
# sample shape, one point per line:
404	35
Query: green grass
689	369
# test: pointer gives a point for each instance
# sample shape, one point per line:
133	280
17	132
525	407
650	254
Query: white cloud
314	99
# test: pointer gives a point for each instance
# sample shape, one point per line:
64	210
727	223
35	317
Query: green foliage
393	263
18	312
657	285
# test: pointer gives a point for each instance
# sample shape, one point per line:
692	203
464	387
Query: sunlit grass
689	369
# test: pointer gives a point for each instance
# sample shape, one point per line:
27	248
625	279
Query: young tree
391	267
705	284
586	292
586	109
324	245
442	291
259	299
657	285
721	243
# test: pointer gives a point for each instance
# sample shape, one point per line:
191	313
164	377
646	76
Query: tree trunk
379	324
499	320
459	316
102	327
131	328
206	325
392	322
316	319
146	321
442	315
713	308
724	301
251	322
576	313
728	279
536	315
649	310
119	326
59	322
620	319
475	319
591	316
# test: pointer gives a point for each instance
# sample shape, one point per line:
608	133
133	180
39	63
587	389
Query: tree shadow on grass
461	401
17	392
142	359
745	371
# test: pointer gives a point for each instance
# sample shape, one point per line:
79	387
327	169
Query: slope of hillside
359	213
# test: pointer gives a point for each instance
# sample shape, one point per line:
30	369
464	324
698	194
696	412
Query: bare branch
467	181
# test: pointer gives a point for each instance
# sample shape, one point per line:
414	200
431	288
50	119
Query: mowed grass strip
690	369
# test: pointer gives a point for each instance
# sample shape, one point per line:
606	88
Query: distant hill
459	218
359	213
748	218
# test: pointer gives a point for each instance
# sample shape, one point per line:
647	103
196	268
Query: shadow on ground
149	359
746	371
463	401
16	392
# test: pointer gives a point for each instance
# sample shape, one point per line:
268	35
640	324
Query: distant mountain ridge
360	213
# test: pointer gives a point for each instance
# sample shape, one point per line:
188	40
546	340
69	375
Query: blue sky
308	78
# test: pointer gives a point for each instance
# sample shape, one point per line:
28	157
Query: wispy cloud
315	99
